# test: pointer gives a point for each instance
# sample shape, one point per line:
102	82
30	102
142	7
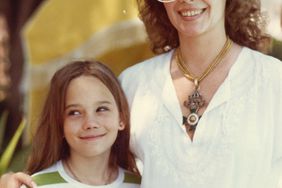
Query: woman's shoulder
266	59
143	71
270	66
148	66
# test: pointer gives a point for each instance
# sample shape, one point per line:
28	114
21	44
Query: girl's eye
73	113
102	109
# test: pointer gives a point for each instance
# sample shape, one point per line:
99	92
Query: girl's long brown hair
244	24
49	144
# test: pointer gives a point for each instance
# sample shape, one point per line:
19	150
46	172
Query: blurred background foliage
39	36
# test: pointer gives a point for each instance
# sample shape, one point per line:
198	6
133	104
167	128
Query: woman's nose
188	1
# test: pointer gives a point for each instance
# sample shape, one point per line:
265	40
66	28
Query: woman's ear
121	125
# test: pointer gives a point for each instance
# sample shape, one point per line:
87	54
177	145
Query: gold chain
187	73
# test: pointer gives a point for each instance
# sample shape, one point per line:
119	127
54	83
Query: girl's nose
91	123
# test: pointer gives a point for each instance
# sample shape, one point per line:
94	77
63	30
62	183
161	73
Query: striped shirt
56	176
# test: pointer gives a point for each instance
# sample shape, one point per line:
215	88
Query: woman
206	111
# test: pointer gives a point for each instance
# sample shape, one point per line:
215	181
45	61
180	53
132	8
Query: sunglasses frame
165	1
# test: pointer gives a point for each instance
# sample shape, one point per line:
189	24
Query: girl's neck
90	171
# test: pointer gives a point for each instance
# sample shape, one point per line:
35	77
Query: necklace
71	171
78	179
195	101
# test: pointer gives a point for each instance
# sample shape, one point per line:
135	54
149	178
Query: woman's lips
191	13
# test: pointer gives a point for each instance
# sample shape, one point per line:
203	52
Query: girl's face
4	36
91	118
195	17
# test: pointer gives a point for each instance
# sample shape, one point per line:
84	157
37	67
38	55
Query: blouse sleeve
277	147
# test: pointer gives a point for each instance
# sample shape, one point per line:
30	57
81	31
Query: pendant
194	103
193	119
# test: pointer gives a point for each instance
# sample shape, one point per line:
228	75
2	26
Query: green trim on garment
131	178
48	178
276	50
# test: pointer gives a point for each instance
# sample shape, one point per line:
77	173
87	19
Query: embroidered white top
238	141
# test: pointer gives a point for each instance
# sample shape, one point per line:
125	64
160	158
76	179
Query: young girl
83	134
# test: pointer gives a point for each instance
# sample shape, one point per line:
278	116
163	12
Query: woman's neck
91	171
198	52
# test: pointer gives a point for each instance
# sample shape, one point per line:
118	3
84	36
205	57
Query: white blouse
238	140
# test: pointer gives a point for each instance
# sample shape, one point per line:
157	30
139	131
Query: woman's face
91	118
192	18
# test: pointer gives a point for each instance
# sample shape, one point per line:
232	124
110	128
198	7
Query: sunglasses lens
166	1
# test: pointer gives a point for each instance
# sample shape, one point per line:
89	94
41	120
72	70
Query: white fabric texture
238	141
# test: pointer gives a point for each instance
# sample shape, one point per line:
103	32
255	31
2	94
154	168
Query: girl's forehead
88	87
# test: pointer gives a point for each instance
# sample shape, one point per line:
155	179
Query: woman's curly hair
244	24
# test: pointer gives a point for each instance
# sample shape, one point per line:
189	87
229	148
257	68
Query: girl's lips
91	137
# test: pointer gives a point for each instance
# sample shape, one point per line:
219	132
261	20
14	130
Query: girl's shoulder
49	176
54	177
130	179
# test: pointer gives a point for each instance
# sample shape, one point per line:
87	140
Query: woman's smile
191	13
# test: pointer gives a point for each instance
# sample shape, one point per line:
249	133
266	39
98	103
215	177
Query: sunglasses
166	1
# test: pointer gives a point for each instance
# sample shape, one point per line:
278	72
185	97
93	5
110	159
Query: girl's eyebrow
71	105
99	103
104	102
